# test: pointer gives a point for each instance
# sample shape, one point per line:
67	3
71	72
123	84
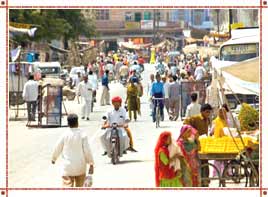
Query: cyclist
157	91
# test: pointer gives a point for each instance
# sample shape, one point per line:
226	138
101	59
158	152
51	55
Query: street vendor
201	123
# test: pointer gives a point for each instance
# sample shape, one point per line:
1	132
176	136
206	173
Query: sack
88	181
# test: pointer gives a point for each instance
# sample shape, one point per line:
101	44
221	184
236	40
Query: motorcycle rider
117	115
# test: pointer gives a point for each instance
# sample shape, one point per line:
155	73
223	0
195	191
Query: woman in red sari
165	176
189	144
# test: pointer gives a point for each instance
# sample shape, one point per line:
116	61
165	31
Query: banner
147	24
132	25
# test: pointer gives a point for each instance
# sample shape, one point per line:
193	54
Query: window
137	16
147	16
102	15
128	16
239	52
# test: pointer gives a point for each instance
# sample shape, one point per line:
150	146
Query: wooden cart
237	170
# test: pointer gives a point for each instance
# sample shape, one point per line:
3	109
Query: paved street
30	148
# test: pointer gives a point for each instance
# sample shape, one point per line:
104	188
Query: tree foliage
54	23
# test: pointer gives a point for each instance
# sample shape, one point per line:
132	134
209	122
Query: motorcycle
117	142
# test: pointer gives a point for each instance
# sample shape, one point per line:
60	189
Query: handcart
239	168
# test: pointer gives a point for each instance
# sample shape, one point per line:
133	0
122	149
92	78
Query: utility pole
218	20
154	27
230	22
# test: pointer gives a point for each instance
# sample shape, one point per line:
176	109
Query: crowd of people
176	162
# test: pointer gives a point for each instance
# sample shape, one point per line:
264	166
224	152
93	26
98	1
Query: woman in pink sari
188	142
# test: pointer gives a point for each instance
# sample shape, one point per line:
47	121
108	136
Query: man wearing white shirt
30	94
119	116
166	90
85	91
75	150
199	72
92	78
194	107
76	80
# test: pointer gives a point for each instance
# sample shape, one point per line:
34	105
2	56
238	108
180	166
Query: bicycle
157	112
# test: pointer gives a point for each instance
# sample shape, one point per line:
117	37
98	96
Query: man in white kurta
85	91
30	94
117	115
76	154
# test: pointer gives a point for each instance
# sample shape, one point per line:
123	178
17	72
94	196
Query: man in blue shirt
105	97
157	91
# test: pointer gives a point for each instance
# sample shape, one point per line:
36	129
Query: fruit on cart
225	144
248	117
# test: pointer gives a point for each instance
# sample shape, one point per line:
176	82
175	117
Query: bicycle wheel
207	180
253	178
234	173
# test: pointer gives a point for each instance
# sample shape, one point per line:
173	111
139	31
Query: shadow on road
129	161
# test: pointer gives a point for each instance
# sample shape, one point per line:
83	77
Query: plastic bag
88	181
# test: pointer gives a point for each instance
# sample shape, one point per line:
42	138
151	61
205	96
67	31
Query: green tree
53	24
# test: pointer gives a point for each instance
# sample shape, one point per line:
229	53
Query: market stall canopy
243	74
190	40
162	44
250	70
30	31
204	51
131	45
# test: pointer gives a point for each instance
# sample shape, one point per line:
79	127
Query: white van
243	45
49	69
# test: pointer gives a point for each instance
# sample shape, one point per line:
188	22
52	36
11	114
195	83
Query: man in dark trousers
30	94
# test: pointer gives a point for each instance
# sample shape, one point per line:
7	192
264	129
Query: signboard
239	49
147	24
53	103
20	25
132	25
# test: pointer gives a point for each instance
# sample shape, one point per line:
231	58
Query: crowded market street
30	149
147	100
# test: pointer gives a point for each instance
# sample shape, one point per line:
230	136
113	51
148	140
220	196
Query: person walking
30	95
190	165
92	78
85	91
166	90
174	102
193	108
201	123
76	81
76	154
165	174
132	100
105	96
